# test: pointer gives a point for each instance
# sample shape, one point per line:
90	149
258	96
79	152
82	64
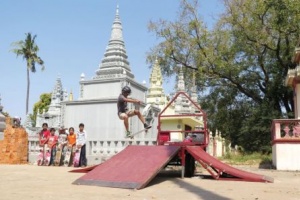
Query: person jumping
123	111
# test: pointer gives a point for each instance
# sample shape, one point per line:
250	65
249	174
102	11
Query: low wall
286	144
13	147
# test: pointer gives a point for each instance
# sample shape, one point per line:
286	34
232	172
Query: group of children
65	140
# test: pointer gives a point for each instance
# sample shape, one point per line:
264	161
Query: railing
33	145
285	129
103	149
108	148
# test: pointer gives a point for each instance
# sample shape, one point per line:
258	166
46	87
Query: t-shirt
43	135
52	139
80	138
71	139
62	138
122	104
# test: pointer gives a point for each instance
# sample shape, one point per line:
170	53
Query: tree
40	106
29	51
242	63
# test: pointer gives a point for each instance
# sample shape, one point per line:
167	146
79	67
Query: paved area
30	182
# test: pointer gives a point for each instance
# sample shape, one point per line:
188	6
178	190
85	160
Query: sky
72	36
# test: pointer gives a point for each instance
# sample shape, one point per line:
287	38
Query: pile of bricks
14	146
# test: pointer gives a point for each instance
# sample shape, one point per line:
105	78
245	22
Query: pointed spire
156	93
180	83
57	92
115	57
116	33
28	121
71	96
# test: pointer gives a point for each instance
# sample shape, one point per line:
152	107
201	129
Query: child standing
71	145
71	137
62	137
61	145
80	143
52	141
43	135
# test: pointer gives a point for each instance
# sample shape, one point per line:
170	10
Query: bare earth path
29	182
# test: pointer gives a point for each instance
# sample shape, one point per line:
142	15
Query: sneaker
128	133
146	126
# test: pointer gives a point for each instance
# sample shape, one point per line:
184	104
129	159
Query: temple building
96	105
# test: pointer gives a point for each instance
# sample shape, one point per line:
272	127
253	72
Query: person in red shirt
52	141
43	135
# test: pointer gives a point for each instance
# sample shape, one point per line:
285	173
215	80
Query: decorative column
286	132
293	80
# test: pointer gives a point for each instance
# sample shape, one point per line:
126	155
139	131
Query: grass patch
247	159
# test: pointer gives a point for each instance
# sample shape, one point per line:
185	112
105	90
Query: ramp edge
125	185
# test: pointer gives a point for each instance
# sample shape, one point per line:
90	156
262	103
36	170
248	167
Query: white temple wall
101	119
285	156
105	131
98	90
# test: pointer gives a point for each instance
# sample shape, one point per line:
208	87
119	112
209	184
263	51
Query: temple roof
115	63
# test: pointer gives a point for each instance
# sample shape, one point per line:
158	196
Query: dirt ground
32	182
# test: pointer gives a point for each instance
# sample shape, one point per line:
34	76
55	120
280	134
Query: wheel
189	170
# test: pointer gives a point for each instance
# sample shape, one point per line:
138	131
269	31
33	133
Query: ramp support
222	171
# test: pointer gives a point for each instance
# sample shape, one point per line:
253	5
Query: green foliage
247	159
29	51
41	106
242	64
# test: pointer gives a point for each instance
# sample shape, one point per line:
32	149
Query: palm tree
28	50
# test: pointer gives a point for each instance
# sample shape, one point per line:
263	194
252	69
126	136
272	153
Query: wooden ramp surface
84	170
236	174
132	168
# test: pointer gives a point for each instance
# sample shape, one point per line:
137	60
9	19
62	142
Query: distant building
156	95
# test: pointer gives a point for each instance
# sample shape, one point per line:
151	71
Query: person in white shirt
80	143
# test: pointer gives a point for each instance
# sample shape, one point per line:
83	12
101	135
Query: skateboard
47	156
133	134
40	159
59	150
77	157
68	156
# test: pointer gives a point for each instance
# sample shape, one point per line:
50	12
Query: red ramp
132	168
221	170
84	170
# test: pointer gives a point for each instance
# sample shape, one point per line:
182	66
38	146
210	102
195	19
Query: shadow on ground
175	177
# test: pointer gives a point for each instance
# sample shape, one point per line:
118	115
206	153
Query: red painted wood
132	168
84	170
199	154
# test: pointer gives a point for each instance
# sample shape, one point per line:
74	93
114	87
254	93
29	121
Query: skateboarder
123	111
